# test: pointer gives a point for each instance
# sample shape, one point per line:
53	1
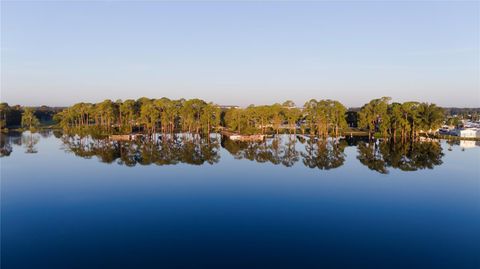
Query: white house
466	132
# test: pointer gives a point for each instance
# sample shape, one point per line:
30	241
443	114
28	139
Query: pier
125	137
240	137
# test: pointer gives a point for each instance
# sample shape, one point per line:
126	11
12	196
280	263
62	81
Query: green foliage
4	109
322	118
406	120
430	116
29	120
10	116
150	115
453	121
374	117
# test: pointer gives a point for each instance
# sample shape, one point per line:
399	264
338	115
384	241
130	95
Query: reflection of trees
324	154
166	150
413	156
276	151
266	151
370	156
45	133
404	156
7	140
26	139
291	155
29	140
5	145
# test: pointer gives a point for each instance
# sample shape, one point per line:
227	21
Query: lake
195	202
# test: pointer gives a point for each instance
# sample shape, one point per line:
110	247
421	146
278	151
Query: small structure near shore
240	137
466	132
247	137
126	137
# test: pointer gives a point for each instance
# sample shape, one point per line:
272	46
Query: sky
239	53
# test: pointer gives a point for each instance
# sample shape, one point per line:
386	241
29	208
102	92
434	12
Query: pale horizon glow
240	53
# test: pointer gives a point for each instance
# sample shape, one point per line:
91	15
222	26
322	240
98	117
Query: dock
240	137
125	137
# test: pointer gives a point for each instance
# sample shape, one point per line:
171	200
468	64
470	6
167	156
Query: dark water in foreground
195	203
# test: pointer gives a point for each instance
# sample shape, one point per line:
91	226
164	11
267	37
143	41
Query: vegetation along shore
321	118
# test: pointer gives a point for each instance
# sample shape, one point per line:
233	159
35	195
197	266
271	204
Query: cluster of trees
406	120
29	120
150	115
26	117
10	115
322	118
255	119
163	115
463	113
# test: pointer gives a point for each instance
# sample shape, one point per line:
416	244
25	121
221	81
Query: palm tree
372	115
277	117
292	114
430	117
128	113
29	120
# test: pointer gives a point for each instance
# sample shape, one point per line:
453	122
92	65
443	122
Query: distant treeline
11	116
322	118
148	115
470	113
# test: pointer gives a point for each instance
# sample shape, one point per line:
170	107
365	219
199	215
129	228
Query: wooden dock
125	137
240	137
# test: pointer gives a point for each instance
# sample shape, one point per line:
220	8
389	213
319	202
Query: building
228	106
466	132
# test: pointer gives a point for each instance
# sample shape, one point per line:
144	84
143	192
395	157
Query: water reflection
286	150
380	155
27	139
5	145
275	151
463	144
165	150
324	154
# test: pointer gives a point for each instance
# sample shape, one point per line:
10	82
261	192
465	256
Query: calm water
190	202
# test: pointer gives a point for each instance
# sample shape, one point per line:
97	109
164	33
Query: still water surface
185	202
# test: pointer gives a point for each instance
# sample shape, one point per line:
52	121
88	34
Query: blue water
61	210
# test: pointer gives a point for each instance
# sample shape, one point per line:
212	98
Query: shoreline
345	134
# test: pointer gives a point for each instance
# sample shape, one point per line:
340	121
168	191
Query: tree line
149	115
321	118
405	120
27	117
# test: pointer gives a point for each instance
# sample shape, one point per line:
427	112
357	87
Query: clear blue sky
59	53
